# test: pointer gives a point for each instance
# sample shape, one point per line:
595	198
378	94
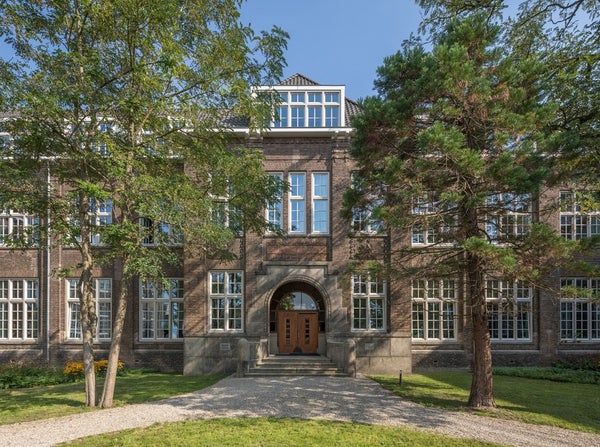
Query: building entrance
296	314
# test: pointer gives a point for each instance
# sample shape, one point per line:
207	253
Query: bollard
400	378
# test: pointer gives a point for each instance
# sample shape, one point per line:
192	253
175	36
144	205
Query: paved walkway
343	399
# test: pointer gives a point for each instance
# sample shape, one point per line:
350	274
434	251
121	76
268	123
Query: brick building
293	294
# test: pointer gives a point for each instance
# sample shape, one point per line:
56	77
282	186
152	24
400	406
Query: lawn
272	432
569	405
28	404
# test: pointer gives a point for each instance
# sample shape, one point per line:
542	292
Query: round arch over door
297	315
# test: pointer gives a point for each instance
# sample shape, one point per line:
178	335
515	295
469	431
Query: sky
337	41
333	41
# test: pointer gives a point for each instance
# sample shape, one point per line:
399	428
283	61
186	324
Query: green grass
568	405
272	433
28	404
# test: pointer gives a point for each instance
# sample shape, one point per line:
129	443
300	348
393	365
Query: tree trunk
115	346
482	392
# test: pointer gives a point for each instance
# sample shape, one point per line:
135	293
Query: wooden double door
297	331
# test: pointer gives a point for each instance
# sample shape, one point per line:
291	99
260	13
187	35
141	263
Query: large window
309	108
16	226
154	233
433	309
297	202
368	303
433	220
320	202
579	316
363	220
100	216
19	309
226	300
577	220
509	216
161	309
275	208
103	302
509	309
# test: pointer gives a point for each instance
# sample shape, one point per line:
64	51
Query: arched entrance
297	315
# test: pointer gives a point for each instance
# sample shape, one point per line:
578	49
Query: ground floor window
19	309
579	317
433	309
226	300
103	302
161	309
509	309
368	303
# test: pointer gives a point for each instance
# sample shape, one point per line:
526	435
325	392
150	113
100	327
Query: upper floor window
363	220
368	303
161	309
320	202
275	208
155	233
297	202
100	215
19	309
434	309
576	220
309	108
579	315
102	301
508	216
509	309
17	227
433	220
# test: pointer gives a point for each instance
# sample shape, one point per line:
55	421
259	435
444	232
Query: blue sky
337	41
333	41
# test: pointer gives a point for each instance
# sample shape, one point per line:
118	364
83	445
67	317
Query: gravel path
343	399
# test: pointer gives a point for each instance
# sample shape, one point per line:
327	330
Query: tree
450	150
129	104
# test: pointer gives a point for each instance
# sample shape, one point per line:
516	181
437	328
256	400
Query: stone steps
292	365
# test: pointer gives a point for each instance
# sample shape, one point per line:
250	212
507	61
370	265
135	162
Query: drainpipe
48	267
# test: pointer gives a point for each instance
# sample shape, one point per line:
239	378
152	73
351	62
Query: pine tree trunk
115	347
482	392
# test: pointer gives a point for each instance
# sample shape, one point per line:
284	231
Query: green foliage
27	376
580	363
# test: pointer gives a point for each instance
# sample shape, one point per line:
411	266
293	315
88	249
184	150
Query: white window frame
274	210
103	303
153	230
320	197
369	305
297	198
579	315
16	225
101	215
434	309
576	224
509	307
422	235
509	216
226	300
19	309
162	310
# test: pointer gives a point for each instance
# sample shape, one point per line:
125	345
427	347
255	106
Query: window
575	221
103	302
509	309
434	221
17	226
275	208
100	216
320	202
363	220
509	216
101	146
19	309
297	201
368	303
226	300
310	108
434	309
580	317
161	309
159	233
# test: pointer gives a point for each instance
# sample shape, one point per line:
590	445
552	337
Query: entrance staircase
295	365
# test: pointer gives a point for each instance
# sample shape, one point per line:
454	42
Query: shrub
14	375
580	363
75	371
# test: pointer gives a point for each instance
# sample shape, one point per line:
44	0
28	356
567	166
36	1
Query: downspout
48	266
